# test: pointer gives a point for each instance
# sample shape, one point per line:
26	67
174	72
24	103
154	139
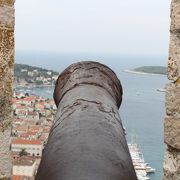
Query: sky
93	26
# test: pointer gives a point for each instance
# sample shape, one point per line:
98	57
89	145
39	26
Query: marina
141	167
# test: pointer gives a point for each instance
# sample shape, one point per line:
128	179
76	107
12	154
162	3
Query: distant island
153	70
25	75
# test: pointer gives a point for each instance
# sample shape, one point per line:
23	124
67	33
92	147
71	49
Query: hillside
25	74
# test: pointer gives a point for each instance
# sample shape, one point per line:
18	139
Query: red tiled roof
29	133
30	98
40	105
24	161
17	177
21	107
34	129
32	113
25	141
20	128
16	101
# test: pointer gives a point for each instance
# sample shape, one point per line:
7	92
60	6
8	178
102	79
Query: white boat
141	168
150	169
161	89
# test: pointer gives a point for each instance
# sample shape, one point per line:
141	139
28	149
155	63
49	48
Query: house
16	103
36	71
30	108
39	106
21	111
24	70
19	95
55	78
49	73
39	78
18	177
29	135
32	147
50	104
30	73
36	129
21	129
24	166
33	115
28	100
18	122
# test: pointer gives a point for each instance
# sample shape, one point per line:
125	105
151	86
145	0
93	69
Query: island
153	70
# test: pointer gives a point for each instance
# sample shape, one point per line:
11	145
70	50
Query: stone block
173	69
7	16
172	165
173	99
5	163
7	2
172	131
6	50
6	67
175	16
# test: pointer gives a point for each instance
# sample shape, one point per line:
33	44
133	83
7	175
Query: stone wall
172	119
6	82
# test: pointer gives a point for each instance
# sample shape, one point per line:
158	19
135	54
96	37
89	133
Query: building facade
32	147
24	166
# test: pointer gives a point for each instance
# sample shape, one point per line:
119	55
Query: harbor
141	167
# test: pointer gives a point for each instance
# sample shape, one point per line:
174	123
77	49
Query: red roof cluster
25	141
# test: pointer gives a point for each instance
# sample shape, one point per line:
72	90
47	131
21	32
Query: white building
32	147
24	166
23	70
30	73
49	72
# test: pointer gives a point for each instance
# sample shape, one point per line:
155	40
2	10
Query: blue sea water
142	110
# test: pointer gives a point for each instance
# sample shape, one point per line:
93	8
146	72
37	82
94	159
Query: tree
23	152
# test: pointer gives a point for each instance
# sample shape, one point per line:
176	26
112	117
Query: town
29	76
32	121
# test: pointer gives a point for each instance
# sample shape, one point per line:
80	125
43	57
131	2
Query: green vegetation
152	69
23	152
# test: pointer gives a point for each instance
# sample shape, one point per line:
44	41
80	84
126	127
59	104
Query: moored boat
141	168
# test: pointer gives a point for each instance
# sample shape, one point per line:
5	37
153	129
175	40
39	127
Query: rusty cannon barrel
87	139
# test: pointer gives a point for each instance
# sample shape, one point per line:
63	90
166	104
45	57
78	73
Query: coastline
142	73
31	86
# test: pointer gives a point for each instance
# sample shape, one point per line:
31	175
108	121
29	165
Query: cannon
87	140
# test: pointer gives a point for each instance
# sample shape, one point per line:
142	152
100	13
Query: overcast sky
104	26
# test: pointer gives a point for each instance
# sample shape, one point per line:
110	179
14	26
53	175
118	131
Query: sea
143	107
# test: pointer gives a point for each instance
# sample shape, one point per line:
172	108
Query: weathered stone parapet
174	48
175	16
5	161
6	82
173	100
172	119
172	131
7	16
7	2
174	57
171	164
